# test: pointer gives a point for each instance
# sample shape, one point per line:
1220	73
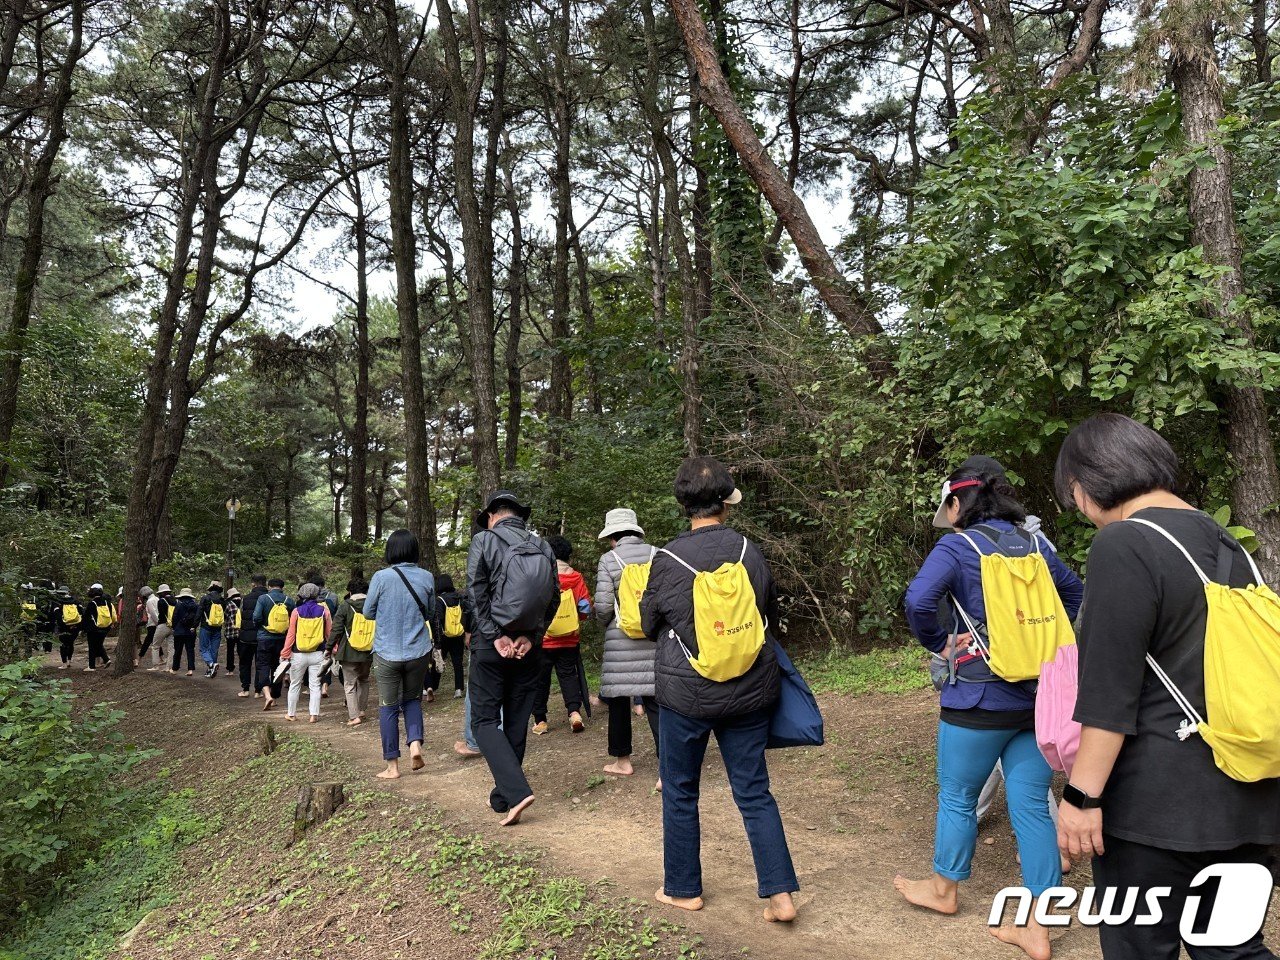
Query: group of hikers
1162	780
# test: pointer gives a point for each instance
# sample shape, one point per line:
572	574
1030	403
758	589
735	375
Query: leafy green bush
63	790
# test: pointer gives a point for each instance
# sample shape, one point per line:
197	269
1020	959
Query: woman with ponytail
984	718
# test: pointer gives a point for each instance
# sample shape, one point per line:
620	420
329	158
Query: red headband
964	484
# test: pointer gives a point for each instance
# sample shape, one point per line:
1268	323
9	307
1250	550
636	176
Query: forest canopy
356	263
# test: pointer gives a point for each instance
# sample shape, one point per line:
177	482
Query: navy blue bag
796	720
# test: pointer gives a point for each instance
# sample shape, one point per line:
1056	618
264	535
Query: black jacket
186	616
249	626
484	568
668	606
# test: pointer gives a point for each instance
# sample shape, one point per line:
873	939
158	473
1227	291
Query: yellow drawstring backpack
362	629
453	621
309	634
1026	622
726	620
632	583
1241	674
565	622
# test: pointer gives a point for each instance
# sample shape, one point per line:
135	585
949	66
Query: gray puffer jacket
628	664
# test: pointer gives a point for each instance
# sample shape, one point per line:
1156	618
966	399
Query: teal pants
965	760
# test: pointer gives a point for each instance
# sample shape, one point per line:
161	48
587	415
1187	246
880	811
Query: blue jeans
741	740
965	760
468	735
210	640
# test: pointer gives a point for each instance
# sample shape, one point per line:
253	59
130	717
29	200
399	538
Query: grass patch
107	897
882	670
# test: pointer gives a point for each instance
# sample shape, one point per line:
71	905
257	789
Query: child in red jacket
560	645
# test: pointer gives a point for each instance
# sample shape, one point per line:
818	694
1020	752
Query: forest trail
857	811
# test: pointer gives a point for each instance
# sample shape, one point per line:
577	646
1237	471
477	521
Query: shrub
63	790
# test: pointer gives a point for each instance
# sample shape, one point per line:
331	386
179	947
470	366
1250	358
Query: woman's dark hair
702	485
984	496
561	548
357	585
1114	459
615	537
402	547
444	583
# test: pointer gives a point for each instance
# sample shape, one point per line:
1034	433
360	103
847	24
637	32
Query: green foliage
61	783
895	669
129	878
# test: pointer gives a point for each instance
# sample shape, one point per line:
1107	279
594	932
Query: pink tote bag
1057	735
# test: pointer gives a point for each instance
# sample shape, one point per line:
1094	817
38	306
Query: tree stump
267	739
316	804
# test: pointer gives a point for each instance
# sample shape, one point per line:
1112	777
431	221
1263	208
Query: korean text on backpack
633	581
1026	621
278	618
729	627
565	622
526	585
1241	674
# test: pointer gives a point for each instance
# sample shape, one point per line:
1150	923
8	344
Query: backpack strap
1192	719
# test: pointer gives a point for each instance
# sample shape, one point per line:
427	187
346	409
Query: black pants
46	641
97	648
620	724
268	658
67	645
502	693
248	660
231	654
564	660
146	641
1128	864
453	648
187	643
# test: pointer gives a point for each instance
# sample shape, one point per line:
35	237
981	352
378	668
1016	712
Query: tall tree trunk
360	424
588	311
1260	39
685	267
419	511
477	241
561	404
515	300
1256	488
846	303
13	344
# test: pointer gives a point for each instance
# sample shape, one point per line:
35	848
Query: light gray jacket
628	664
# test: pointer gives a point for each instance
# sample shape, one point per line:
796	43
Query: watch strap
1078	798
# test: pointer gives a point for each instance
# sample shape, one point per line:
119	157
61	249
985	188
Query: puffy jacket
667	612
627	670
248	615
484	568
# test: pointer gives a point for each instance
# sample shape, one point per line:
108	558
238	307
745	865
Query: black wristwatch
1079	799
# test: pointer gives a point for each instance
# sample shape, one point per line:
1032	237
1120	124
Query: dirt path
857	811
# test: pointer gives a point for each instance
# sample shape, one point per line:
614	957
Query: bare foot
657	787
290	717
392	772
313	719
461	749
354	723
415	757
269	704
781	908
620	767
684	903
932	894
513	815
1033	939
